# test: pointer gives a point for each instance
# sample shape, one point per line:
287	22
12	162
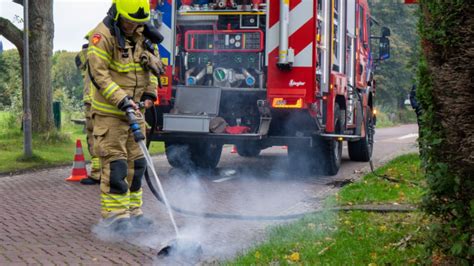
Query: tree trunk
41	49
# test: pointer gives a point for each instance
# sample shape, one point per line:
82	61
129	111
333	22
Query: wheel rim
337	150
370	134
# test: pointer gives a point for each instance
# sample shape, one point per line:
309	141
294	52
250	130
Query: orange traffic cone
234	149
79	166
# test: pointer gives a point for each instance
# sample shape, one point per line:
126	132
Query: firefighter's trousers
122	167
95	162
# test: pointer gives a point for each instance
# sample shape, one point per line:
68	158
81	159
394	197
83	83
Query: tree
66	76
445	92
10	73
41	49
395	76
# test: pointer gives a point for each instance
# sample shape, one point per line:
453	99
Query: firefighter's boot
121	226
94	178
141	222
89	181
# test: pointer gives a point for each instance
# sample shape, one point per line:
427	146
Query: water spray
179	245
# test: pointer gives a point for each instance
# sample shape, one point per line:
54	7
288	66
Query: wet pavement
45	220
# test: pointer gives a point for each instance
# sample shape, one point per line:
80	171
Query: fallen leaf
295	256
382	228
257	255
325	249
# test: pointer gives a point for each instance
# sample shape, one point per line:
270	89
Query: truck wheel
361	150
302	158
248	150
178	155
332	148
206	155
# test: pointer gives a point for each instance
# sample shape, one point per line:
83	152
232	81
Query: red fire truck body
257	74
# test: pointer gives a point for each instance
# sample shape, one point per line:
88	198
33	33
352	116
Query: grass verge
354	237
394	118
53	149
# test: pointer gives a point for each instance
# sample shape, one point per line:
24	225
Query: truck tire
361	150
302	158
332	148
195	155
324	157
206	155
248	150
178	155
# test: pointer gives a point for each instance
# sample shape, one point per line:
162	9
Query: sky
73	19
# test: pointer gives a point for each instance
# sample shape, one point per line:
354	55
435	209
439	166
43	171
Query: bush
446	125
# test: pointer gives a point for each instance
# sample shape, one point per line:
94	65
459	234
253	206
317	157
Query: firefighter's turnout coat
116	71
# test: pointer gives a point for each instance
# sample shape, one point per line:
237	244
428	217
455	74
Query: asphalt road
45	220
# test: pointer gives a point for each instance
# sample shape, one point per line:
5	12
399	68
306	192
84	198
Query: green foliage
67	77
353	238
409	189
67	82
449	197
53	148
10	80
390	118
395	76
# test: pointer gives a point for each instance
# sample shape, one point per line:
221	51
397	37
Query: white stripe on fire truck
299	16
305	57
167	35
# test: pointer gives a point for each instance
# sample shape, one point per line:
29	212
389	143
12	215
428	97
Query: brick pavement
45	220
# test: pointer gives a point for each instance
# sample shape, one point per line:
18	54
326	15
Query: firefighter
81	63
415	104
119	81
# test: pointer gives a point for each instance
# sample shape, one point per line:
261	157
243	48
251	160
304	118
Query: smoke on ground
264	187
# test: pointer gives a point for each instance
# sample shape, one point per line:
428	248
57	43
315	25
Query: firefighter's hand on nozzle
127	103
148	103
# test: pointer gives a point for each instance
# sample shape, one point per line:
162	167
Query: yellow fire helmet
133	10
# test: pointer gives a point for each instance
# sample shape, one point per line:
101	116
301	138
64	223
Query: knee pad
118	173
139	167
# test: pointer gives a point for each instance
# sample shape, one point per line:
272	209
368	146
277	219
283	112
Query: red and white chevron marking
301	31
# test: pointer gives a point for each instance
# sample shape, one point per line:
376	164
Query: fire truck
256	74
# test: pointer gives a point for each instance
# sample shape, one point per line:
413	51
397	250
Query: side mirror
384	48
385	32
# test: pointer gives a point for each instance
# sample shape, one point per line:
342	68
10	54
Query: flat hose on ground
154	191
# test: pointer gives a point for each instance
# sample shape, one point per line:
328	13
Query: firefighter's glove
127	103
151	62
